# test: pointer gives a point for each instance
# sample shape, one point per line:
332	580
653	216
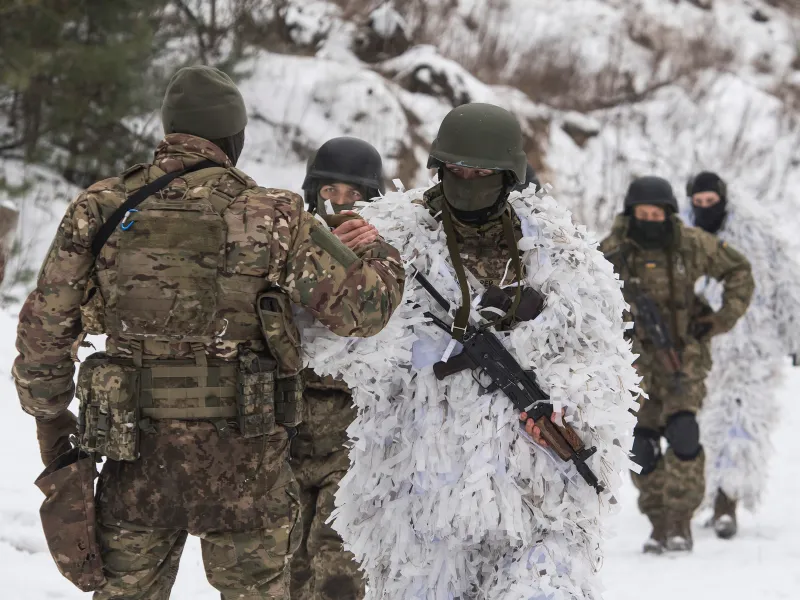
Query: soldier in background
342	172
741	410
195	399
657	256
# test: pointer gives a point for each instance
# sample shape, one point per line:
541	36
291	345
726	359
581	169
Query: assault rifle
486	356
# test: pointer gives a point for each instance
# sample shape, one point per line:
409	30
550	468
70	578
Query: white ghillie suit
446	496
741	408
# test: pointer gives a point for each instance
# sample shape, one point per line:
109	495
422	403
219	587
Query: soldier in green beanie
190	269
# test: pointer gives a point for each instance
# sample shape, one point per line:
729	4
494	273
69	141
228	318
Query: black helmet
650	190
344	160
706	181
530	178
480	136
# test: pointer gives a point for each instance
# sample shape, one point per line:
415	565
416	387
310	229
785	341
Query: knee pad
646	449
683	435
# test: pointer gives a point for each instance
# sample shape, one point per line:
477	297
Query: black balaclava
651	235
231	145
475	201
709	219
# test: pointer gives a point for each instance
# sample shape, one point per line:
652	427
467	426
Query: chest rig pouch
168	262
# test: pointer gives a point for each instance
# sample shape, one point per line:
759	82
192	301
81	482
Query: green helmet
480	136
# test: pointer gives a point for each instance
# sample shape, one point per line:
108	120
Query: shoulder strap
136	199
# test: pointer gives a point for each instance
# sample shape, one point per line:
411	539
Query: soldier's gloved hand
355	232
705	327
53	435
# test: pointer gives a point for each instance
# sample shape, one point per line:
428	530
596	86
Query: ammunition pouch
108	419
255	395
68	518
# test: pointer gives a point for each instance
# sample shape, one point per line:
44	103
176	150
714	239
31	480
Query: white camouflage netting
446	496
740	410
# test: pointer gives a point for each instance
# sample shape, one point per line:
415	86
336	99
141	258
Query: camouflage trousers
321	568
238	495
675	488
142	564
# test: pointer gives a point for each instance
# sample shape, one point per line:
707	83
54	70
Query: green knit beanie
203	101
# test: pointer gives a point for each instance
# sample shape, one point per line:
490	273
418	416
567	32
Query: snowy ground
760	563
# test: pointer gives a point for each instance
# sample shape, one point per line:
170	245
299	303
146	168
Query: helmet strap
461	318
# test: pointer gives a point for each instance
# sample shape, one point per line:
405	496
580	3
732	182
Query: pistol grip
552	435
456	364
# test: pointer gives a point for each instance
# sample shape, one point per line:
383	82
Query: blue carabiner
125	226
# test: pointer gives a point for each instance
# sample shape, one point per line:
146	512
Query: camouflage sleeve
351	294
730	267
50	319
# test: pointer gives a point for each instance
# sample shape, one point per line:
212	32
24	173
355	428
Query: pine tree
72	74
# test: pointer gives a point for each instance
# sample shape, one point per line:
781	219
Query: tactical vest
664	276
175	278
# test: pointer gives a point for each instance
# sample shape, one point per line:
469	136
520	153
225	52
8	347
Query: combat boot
679	534
658	538
724	519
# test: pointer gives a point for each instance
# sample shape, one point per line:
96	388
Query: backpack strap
136	199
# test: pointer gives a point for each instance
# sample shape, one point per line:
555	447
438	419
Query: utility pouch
255	394
283	341
108	420
68	518
289	400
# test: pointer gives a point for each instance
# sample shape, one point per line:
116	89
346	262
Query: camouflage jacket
271	243
484	250
694	254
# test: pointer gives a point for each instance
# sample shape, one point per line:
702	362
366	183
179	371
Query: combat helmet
650	190
480	136
344	160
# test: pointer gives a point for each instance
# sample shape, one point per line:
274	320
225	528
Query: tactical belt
162	397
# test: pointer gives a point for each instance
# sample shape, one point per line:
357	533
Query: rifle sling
462	313
673	317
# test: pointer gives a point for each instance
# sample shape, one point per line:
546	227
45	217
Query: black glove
703	328
530	306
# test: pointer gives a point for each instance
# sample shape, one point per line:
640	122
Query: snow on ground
760	563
